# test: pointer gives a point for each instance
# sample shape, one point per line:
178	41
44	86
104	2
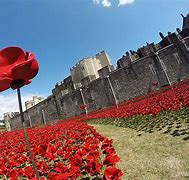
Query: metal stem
25	133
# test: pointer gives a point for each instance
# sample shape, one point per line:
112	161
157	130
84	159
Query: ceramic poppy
17	68
155	83
82	106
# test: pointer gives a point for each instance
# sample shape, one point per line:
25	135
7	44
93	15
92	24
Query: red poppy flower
60	176
112	173
82	106
111	159
155	83
17	68
93	166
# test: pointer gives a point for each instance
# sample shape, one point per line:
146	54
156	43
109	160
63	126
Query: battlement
65	86
185	21
149	49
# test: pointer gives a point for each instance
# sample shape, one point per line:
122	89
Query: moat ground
150	156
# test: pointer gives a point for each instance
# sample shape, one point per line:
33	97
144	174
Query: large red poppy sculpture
18	68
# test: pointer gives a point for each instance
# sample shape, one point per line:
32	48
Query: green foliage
175	123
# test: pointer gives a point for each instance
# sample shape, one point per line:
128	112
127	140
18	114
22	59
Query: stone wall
175	58
163	67
34	116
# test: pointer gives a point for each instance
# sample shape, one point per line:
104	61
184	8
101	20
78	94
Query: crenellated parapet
175	38
65	86
185	21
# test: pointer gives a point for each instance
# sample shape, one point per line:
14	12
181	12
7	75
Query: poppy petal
5	83
11	55
26	70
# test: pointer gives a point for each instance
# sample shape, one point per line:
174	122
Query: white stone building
88	67
33	102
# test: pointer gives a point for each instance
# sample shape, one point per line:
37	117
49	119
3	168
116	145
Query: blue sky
61	32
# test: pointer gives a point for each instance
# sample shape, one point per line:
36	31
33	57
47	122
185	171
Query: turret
185	21
178	30
161	35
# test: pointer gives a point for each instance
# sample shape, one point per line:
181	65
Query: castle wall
176	60
98	94
167	66
33	116
68	105
137	78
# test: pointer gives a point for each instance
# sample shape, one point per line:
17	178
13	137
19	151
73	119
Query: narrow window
117	84
152	69
92	95
62	93
177	58
75	102
64	105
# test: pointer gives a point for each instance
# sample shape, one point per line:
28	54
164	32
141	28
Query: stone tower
185	21
87	68
7	118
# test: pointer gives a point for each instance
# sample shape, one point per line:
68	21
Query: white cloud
96	1
9	103
124	2
105	3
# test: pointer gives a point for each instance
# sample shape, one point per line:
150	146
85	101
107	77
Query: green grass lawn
151	156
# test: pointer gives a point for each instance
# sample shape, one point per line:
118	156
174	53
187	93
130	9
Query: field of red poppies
73	149
64	151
